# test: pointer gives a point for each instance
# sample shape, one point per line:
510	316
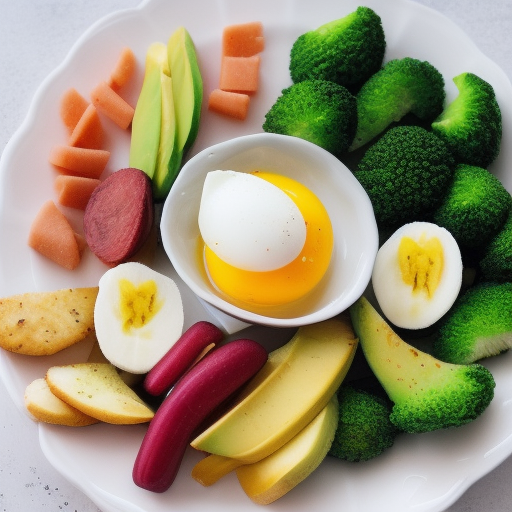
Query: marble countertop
35	36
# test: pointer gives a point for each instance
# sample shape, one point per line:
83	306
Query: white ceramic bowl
349	208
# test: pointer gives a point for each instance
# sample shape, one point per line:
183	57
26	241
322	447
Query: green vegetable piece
346	51
405	174
401	87
427	394
187	85
147	119
475	206
496	262
471	124
318	111
364	428
479	325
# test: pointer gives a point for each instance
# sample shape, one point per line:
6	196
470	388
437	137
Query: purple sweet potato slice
119	216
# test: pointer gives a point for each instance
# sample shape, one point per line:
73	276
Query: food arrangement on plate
442	272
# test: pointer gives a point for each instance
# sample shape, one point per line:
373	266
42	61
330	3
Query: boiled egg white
138	316
250	223
417	275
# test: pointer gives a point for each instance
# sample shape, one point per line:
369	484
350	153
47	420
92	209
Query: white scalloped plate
425	472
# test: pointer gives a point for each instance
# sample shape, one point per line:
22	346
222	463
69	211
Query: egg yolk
138	304
421	264
294	280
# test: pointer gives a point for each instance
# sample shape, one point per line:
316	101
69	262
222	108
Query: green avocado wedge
187	86
147	119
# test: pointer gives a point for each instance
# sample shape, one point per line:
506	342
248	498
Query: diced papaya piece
74	191
72	108
89	163
231	104
123	70
243	40
52	236
88	132
240	74
108	102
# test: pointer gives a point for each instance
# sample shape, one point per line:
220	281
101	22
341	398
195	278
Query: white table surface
35	36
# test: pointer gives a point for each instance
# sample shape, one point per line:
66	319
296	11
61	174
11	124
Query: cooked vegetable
111	104
72	107
123	70
402	86
405	174
44	406
364	427
496	260
88	132
427	394
89	163
180	357
346	51
74	191
471	124
97	390
119	216
43	323
474	207
243	39
318	111
196	395
479	325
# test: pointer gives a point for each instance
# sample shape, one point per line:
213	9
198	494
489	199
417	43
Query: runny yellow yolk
293	281
137	304
421	264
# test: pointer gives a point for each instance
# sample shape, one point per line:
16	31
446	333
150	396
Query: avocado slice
147	119
187	86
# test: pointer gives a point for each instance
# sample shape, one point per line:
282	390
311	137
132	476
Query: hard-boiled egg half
417	275
268	239
138	316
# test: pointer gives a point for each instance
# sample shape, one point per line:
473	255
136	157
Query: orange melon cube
243	40
240	74
231	104
52	236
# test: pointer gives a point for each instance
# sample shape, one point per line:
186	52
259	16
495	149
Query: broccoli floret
318	111
478	325
346	51
401	87
364	428
474	207
471	124
427	393
496	261
405	174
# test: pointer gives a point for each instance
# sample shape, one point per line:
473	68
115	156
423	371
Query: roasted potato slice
43	323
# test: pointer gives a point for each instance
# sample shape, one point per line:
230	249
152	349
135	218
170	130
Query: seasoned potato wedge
97	389
46	407
43	323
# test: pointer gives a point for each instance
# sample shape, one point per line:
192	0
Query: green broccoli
496	260
364	428
474	207
346	51
471	124
401	87
405	174
427	393
319	111
478	325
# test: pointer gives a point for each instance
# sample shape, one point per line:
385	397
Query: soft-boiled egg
248	222
417	275
138	316
284	268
